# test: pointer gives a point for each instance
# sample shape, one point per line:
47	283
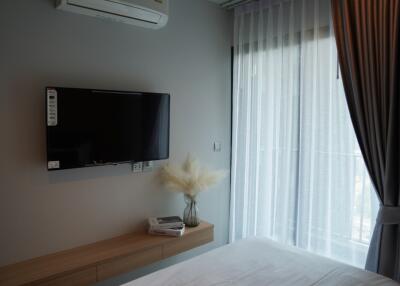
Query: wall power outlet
147	166
137	167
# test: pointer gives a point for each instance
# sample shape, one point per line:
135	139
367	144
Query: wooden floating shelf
86	265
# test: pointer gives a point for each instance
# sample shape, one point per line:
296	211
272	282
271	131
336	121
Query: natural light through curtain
298	175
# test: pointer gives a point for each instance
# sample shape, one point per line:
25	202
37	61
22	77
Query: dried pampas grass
190	178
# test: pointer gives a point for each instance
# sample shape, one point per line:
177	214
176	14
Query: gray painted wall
42	212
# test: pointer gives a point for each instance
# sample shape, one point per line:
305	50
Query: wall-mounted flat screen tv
90	127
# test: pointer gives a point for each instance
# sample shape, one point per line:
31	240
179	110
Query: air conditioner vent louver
145	13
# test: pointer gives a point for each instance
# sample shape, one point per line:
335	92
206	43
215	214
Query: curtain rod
230	4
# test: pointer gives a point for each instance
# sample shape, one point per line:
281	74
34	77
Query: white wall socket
148	166
137	167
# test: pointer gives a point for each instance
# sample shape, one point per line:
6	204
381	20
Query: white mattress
260	262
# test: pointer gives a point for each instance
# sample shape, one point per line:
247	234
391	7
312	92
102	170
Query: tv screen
88	127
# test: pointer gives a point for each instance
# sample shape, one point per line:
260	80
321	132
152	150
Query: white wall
42	212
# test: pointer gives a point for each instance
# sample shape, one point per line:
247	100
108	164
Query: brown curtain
367	36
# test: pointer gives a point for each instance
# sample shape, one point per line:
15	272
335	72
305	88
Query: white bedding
260	262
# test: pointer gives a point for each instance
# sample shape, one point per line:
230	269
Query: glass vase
190	214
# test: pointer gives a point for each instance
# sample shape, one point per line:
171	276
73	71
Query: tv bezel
104	163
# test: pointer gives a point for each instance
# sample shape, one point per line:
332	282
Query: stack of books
171	225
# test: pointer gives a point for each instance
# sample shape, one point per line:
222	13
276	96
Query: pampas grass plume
189	179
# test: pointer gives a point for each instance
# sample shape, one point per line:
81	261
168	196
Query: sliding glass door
298	175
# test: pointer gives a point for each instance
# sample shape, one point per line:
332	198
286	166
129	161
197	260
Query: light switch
217	146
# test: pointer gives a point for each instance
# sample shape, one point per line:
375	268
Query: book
177	231
165	222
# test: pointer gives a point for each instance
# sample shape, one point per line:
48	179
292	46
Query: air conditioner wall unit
145	13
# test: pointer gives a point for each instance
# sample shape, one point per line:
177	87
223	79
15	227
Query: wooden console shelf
88	264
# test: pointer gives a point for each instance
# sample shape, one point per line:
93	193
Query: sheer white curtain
298	175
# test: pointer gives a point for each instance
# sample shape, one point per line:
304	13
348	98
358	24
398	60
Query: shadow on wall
82	174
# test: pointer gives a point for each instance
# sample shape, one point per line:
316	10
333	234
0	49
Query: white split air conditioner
145	13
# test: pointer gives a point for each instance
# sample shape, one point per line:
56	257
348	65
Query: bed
260	262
